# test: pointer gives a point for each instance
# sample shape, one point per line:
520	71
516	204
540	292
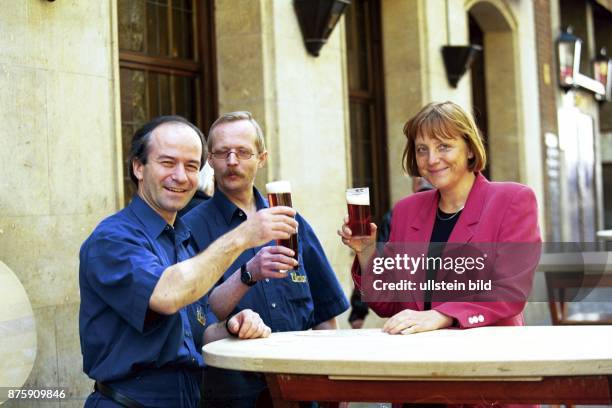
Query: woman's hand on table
412	321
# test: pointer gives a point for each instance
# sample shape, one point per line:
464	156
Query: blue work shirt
305	298
136	351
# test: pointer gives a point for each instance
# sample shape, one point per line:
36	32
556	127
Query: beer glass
279	193
358	203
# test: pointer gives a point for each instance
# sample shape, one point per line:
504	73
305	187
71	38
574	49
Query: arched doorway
495	87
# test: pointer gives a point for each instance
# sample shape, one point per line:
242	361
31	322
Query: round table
17	332
538	364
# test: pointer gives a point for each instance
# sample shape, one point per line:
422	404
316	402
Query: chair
562	286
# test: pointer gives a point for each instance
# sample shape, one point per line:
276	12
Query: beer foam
358	199
277	187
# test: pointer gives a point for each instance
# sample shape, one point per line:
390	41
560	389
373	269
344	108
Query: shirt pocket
296	284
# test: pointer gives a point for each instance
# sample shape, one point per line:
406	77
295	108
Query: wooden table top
486	352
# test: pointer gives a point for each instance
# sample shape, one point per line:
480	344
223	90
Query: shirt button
187	334
273	305
267	280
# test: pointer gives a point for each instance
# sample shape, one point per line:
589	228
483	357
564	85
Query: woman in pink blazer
444	146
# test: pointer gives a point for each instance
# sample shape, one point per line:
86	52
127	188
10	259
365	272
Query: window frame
374	98
202	68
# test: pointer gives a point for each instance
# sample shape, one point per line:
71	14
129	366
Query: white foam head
358	196
277	187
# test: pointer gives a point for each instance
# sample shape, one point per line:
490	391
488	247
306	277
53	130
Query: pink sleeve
519	225
381	307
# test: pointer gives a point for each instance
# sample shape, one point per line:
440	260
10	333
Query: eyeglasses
241	154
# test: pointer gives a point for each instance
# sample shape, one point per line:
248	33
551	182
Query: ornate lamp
317	20
568	53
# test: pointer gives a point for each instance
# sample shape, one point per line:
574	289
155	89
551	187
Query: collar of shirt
153	223
229	209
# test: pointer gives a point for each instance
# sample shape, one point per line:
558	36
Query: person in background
205	190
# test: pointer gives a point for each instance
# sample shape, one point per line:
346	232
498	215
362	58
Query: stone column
413	33
301	102
61	172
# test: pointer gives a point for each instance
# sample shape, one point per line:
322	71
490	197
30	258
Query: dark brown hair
139	148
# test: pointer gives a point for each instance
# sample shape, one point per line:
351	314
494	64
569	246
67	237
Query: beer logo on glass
279	193
358	203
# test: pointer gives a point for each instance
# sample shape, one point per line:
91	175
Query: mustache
233	172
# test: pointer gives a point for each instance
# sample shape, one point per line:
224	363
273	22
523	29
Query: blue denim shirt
120	264
300	301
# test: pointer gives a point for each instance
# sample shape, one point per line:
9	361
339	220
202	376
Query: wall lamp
317	19
458	59
568	58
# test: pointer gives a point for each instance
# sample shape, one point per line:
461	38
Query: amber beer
358	202
279	193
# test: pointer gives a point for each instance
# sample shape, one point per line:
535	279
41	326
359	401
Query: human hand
357	244
269	224
412	321
271	262
248	325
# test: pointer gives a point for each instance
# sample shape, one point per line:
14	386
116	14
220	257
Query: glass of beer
279	193
358	202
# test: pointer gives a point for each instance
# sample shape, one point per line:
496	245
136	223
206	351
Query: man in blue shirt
144	314
307	297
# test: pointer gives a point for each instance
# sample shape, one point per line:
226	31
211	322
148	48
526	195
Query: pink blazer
494	212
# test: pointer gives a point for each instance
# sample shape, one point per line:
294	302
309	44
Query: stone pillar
413	33
60	155
301	102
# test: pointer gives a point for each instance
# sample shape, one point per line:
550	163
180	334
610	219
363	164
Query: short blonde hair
445	120
234	117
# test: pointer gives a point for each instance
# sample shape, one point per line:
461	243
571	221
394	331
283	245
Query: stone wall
59	164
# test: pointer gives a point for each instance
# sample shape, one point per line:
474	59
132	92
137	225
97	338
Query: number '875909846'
42	393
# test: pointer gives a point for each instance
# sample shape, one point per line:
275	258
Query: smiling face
170	177
446	135
234	176
443	161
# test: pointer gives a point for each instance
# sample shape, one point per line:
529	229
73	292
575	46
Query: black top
444	225
442	229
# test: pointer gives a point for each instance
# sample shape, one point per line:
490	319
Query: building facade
76	79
